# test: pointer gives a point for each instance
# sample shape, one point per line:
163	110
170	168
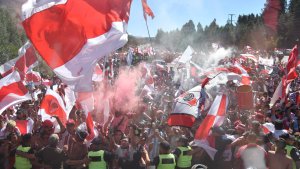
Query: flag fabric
292	61
53	105
187	55
271	14
283	87
245	76
186	108
205	81
87	103
249	56
280	92
147	10
71	36
33	76
24	126
98	74
70	98
214	118
24	62
12	91
47	82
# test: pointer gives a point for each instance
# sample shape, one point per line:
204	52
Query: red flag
25	126
12	91
53	105
147	10
71	35
27	60
292	62
271	14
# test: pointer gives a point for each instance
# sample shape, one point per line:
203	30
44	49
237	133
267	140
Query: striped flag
214	118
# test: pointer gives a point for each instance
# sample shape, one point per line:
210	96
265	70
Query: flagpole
149	35
148	31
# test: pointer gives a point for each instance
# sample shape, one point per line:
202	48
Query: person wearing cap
68	134
183	154
77	151
98	157
40	138
165	159
290	149
278	159
51	156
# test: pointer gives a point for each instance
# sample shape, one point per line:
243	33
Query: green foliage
248	30
11	39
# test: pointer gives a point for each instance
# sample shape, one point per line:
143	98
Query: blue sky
172	14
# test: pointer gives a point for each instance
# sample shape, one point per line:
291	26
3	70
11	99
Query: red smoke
122	95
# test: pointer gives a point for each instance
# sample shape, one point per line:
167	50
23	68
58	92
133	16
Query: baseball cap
47	123
70	121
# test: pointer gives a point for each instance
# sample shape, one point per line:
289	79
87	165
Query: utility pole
230	20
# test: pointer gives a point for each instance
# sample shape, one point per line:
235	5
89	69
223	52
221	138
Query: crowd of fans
146	141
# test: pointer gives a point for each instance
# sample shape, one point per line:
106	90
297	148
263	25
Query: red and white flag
249	56
87	103
12	91
53	105
24	62
186	108
292	62
245	76
147	10
33	76
72	36
24	126
98	74
280	92
214	118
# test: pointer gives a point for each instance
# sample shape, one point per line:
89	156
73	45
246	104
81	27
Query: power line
230	20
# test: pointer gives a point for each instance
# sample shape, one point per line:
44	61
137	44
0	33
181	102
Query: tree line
248	30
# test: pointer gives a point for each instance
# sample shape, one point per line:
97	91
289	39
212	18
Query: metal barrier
199	166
